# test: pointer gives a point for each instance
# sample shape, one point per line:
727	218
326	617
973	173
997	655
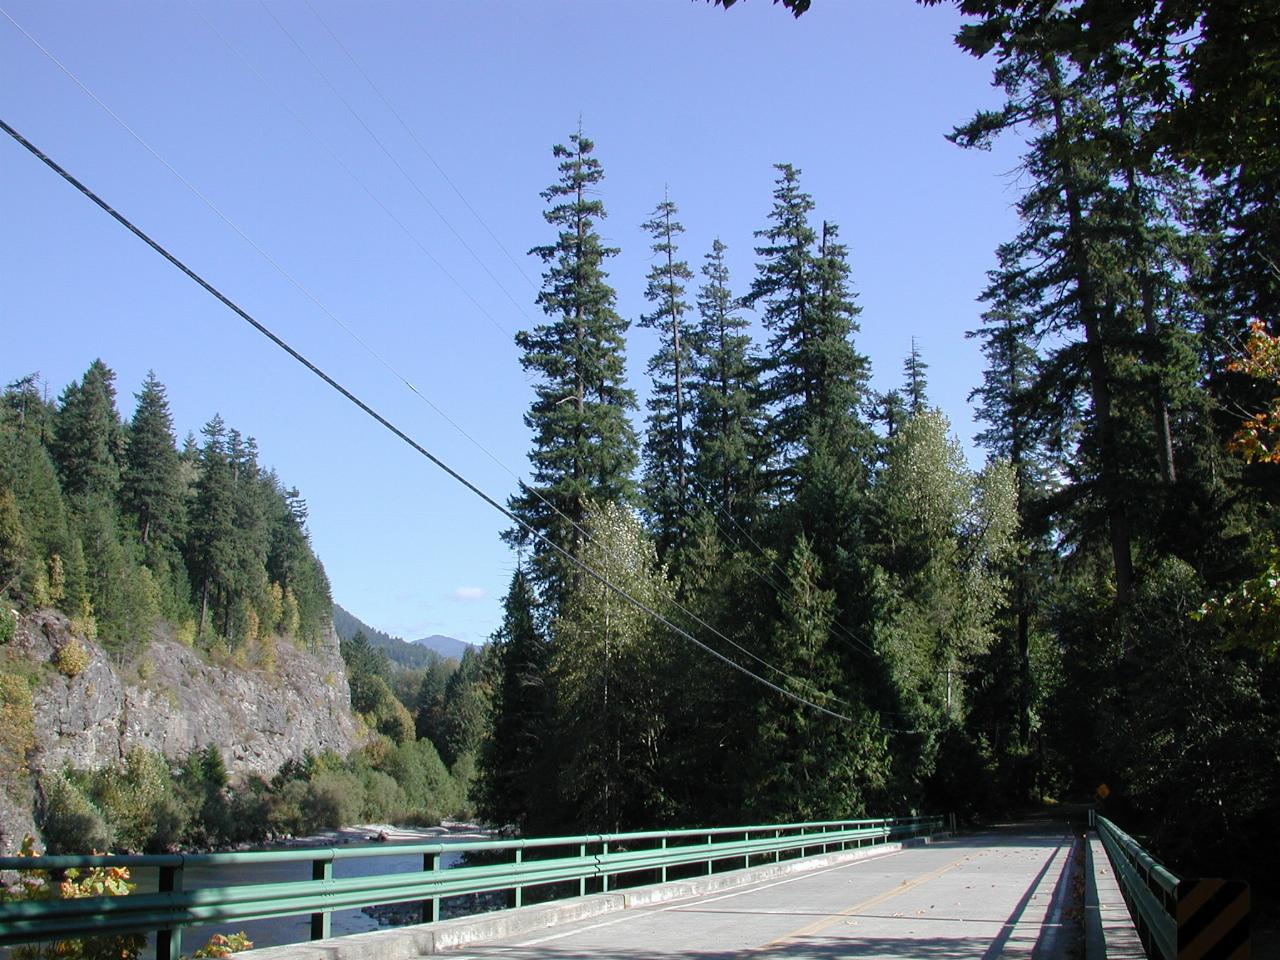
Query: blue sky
678	96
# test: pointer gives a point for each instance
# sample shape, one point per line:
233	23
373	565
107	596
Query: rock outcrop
173	700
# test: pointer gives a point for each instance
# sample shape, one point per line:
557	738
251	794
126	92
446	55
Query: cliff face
171	700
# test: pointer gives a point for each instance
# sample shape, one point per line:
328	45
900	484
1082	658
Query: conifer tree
915	384
517	768
728	456
815	379
211	550
667	447
150	487
86	435
584	446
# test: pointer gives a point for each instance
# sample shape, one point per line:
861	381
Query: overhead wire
817	691
414	137
364	407
390	156
845	636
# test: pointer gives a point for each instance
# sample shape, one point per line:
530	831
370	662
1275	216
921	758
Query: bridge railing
1177	918
554	863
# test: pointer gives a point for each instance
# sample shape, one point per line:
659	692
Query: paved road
984	897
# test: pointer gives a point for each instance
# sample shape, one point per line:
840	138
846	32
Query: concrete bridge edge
406	943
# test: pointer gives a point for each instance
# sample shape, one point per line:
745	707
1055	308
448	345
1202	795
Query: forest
774	593
790	597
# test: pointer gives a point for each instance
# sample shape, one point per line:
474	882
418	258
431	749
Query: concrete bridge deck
997	894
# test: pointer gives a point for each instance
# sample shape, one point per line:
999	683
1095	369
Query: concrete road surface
999	894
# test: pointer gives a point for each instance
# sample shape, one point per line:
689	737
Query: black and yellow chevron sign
1213	920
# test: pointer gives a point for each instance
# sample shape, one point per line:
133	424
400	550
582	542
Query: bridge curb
1108	928
406	943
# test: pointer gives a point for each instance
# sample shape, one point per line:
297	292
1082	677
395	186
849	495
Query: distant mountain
401	652
445	646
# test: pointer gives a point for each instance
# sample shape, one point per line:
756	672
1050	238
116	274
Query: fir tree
86	435
728	455
915	384
666	447
815	379
584	446
517	770
150	487
211	550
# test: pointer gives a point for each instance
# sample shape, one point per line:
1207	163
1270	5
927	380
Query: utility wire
390	368
398	165
425	152
396	431
215	208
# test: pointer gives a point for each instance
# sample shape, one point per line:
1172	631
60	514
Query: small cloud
468	594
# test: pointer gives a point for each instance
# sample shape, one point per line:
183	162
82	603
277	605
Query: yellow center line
818	926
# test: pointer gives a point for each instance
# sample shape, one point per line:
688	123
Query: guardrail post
431	908
604	855
169	942
709	857
777	854
582	880
517	899
320	922
664	866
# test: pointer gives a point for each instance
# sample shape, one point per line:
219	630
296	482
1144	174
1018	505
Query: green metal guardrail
533	863
1177	918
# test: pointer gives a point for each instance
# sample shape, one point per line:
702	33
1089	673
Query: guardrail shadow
810	948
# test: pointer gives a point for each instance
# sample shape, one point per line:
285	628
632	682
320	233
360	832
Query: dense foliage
111	523
1096	605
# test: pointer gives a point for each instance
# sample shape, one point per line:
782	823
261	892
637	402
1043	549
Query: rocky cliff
173	700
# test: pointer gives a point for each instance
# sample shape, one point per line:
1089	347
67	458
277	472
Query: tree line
1089	609
114	524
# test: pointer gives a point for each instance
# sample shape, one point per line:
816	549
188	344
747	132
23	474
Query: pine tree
915	384
517	768
86	435
150	488
815	379
584	446
728	456
211	546
667	447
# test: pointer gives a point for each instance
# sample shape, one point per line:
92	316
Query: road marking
817	926
637	913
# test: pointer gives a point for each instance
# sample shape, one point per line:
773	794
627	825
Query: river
280	930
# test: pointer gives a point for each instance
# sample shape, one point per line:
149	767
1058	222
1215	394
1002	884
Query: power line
398	165
425	152
396	431
846	637
215	208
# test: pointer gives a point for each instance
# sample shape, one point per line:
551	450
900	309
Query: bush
96	882
72	824
71	658
333	799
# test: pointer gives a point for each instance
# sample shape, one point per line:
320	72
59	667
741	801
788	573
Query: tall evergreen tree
86	435
815	379
666	446
517	769
728	456
150	488
584	446
915	384
211	550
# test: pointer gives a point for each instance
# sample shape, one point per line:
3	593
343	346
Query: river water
279	930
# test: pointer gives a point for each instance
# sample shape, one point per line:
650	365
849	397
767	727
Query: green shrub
72	824
333	799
